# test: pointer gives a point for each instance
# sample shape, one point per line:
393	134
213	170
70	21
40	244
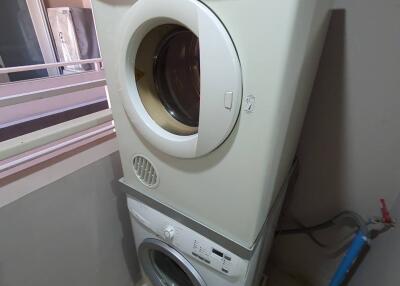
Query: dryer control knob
169	232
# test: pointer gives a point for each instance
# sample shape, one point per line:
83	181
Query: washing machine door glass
168	270
179	76
165	266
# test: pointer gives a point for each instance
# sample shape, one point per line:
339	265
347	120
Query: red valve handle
385	212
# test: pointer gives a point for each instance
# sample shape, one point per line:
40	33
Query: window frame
32	149
21	150
44	37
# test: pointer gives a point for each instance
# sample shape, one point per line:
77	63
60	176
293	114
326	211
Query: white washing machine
208	100
172	254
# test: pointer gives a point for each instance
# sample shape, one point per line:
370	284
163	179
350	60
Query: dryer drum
167	73
177	75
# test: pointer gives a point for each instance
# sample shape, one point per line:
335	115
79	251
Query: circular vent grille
145	171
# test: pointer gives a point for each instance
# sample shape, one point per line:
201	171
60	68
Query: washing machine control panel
218	258
189	242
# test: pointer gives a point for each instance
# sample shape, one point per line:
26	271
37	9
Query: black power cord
345	218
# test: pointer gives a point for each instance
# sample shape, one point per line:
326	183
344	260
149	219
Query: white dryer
208	99
172	254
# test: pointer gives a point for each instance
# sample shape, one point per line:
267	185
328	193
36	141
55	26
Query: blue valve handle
354	251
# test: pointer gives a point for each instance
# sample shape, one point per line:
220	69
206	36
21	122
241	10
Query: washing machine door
165	266
179	75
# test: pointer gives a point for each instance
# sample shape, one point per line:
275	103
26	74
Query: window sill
54	166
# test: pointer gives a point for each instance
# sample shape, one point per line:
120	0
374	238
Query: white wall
349	147
75	231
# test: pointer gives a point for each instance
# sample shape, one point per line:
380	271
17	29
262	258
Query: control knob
169	232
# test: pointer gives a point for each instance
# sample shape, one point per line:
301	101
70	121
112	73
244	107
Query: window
52	84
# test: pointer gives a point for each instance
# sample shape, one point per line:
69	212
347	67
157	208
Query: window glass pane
18	42
46	32
29	39
74	36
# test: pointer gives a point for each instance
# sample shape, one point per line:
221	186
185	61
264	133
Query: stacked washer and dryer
208	100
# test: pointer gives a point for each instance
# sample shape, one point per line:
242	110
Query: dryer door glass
165	266
177	76
167	71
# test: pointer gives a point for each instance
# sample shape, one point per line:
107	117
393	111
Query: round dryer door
179	75
165	266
